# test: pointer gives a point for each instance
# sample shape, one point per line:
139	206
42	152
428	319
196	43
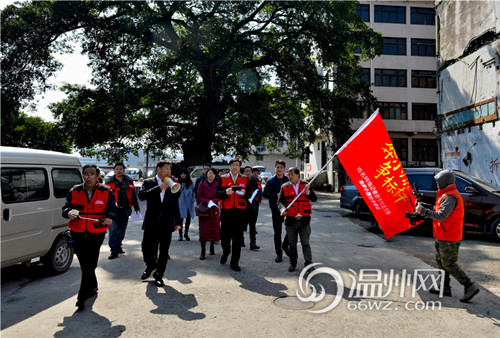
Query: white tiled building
403	81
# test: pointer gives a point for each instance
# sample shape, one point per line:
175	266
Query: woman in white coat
186	202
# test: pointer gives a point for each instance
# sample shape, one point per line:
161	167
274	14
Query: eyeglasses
89	176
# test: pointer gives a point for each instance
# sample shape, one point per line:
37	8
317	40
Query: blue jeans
117	230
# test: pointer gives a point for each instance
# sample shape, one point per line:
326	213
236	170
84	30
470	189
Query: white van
34	188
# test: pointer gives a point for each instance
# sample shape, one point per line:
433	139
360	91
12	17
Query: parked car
261	168
134	174
110	173
481	198
35	184
265	176
352	200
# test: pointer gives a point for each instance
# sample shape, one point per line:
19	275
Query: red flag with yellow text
371	162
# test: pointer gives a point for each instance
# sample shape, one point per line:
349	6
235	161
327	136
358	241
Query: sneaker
469	293
446	291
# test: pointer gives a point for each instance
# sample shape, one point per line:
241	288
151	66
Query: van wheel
60	256
495	229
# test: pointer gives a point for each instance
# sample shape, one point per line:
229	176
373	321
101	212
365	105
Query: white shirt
162	194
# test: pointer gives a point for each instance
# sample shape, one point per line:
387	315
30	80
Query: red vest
301	205
451	228
235	199
93	209
259	184
130	190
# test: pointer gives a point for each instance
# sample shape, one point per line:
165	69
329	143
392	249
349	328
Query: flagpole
319	172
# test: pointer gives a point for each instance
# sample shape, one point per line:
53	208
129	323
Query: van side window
23	185
64	180
424	182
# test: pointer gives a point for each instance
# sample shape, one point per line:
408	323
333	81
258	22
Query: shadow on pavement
87	323
258	284
172	302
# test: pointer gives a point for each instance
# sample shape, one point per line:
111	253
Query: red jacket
131	198
451	229
301	205
97	208
234	200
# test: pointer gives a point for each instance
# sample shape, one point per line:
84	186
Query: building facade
403	80
468	41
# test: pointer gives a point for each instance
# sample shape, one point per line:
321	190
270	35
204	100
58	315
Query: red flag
371	162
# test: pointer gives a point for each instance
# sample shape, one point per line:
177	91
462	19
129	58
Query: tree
201	77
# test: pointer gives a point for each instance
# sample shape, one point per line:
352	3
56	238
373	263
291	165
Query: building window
365	76
423	47
393	110
422	16
259	157
401	147
424	111
357	50
362	110
390	77
364	12
390	14
424	150
423	79
394	46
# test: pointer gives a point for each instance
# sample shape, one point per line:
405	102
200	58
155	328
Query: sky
74	71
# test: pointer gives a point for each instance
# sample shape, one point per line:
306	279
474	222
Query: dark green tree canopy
203	77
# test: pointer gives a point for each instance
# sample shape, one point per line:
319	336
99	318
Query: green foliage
203	77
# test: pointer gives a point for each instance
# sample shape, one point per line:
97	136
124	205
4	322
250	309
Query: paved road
206	299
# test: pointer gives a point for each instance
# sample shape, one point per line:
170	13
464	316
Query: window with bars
424	111
423	47
394	46
423	79
424	150
393	110
390	14
422	16
401	147
390	78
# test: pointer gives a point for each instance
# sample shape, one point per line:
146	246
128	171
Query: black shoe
158	280
469	293
278	259
223	259
292	267
121	251
146	274
80	304
235	267
212	249
113	255
186	236
202	256
254	246
446	291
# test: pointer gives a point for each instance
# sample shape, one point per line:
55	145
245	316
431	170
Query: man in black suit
159	222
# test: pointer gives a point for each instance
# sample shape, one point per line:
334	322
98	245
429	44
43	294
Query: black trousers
251	221
156	239
231	230
87	246
278	228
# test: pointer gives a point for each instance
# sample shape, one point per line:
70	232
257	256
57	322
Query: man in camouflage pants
447	224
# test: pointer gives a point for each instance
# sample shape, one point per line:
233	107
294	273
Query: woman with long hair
186	202
209	224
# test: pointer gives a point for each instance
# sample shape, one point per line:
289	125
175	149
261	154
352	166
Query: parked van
34	188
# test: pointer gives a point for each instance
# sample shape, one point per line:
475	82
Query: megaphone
174	187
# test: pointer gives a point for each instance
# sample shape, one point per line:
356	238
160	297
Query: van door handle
7	214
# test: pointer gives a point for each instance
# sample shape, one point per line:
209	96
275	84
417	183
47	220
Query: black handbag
202	210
